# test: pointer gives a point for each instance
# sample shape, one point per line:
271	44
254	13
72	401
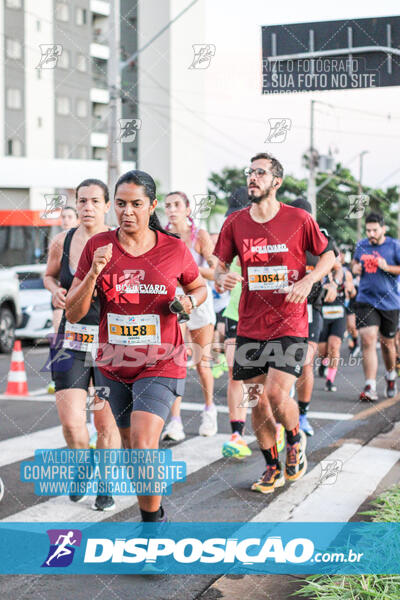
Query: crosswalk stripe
23	446
311	500
197	452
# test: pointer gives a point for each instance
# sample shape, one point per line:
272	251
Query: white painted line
23	446
310	500
39	392
197	452
329	416
30	398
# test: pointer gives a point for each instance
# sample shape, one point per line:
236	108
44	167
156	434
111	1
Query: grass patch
385	509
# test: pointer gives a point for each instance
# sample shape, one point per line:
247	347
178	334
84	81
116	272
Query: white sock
391	375
372	383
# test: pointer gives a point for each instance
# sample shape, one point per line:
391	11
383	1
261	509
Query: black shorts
333	327
386	320
155	395
315	327
219	318
286	354
230	328
71	369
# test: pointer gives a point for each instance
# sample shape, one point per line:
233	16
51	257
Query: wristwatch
193	301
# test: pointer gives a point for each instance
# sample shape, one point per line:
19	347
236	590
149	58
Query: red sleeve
189	269
225	248
315	241
85	261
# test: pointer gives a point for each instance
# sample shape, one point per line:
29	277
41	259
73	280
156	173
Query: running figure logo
278	130
128	130
203	54
63	543
50	54
54	205
357	206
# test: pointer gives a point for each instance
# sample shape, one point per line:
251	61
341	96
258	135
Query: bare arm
392	269
52	273
206	250
356	267
225	279
197	289
300	290
79	297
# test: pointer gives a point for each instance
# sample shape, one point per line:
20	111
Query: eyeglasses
176	307
248	171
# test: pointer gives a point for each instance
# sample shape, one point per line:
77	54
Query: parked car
35	300
10	311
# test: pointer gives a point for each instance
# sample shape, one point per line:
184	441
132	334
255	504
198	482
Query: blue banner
200	548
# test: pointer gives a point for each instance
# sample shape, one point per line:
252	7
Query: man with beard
271	239
377	261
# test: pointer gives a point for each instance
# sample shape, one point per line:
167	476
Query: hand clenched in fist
101	257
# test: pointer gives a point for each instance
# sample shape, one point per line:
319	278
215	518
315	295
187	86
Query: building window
62	11
81	109
13	48
63	60
81	63
63	105
14	147
62	151
14	98
14	3
81	16
82	152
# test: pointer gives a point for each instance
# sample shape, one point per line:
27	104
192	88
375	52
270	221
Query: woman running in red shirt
141	355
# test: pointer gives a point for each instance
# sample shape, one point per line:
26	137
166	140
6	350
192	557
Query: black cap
238	200
302	203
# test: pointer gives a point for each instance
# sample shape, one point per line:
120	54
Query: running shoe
1	488
355	351
51	388
330	386
296	460
306	426
236	447
271	478
368	394
104	503
174	430
280	437
93	441
391	388
77	498
209	425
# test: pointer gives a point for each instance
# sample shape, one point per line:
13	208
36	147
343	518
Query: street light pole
114	151
311	190
360	191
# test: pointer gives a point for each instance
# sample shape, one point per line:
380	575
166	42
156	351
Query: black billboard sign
329	55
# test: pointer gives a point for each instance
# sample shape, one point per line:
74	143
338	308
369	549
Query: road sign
328	55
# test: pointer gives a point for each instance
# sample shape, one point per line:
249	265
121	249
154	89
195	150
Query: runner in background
69	219
141	358
334	325
202	319
73	368
377	261
220	302
305	383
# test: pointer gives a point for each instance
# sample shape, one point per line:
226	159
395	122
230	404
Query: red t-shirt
130	287
271	255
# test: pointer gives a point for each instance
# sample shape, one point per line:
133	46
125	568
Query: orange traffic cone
16	382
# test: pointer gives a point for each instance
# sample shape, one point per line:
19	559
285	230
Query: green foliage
332	200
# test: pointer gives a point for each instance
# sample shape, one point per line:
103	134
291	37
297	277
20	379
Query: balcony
99	48
99	96
100	7
98	140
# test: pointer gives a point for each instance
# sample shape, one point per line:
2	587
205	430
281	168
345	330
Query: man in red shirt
271	240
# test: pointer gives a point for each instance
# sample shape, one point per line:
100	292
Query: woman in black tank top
72	362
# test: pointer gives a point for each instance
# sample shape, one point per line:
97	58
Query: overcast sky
238	112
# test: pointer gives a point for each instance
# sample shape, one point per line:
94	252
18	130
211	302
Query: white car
10	311
35	301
